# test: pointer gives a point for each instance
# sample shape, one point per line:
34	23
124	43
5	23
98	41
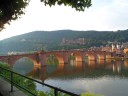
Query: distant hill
51	40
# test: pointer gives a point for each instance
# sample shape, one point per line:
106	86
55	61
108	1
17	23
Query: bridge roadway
39	58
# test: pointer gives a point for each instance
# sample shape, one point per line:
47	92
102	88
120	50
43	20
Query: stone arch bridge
39	58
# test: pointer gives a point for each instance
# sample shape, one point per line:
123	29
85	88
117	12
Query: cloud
113	14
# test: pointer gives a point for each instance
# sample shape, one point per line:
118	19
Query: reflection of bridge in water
80	69
40	58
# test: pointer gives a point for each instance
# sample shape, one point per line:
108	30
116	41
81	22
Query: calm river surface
106	78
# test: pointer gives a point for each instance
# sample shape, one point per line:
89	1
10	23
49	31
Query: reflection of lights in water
113	68
126	64
118	69
60	66
72	62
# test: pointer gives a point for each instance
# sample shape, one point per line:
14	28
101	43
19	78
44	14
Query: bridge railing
11	80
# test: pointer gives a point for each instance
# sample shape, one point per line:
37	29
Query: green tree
13	9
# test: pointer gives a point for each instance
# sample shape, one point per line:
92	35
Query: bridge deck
5	88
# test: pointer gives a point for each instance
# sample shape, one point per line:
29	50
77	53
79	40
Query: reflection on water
109	78
23	66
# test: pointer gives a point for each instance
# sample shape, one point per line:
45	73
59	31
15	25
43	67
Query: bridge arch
44	58
91	57
78	57
24	65
100	56
59	58
108	56
22	60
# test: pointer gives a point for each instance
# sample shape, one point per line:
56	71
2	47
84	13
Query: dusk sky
102	15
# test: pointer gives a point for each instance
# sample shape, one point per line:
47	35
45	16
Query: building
79	41
125	52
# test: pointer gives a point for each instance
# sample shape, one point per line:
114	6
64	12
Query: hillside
51	40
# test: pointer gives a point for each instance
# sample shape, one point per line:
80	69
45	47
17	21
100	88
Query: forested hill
51	40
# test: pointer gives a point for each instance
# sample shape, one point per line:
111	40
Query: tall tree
13	9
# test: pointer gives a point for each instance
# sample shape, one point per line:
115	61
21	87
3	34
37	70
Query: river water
109	78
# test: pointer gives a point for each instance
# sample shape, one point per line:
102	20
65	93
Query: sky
103	15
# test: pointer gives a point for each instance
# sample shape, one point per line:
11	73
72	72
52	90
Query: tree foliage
77	4
13	9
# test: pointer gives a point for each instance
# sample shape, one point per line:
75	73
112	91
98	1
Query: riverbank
5	88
